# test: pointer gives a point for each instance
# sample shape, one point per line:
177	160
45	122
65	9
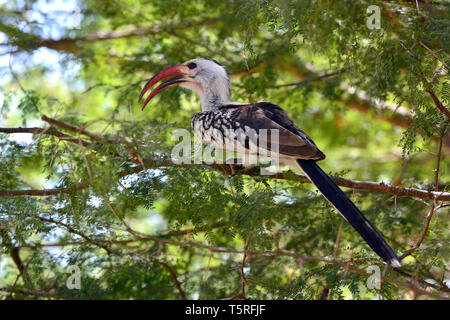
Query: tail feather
348	210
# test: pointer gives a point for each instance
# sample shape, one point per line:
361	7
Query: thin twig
243	279
78	130
174	277
310	79
433	54
41	193
326	288
338	238
433	206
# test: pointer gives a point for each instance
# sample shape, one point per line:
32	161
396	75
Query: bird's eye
192	65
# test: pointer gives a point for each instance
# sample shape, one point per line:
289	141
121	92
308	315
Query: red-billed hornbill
211	81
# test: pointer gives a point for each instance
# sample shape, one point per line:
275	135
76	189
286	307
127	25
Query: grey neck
212	101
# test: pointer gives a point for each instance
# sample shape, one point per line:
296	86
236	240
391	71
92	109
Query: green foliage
362	94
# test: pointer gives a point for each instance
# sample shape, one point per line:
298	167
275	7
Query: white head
209	79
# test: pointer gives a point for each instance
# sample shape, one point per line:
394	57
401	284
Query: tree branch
254	172
15	256
438	103
243	279
64	125
40	193
291	176
48	131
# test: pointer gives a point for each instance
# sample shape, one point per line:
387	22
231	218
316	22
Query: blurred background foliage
374	100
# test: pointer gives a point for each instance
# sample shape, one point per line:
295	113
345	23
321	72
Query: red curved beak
176	74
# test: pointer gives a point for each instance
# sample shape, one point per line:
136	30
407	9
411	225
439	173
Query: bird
220	117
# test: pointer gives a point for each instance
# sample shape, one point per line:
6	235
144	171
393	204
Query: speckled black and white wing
224	125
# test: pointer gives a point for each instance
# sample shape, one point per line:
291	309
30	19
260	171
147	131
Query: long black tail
348	210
